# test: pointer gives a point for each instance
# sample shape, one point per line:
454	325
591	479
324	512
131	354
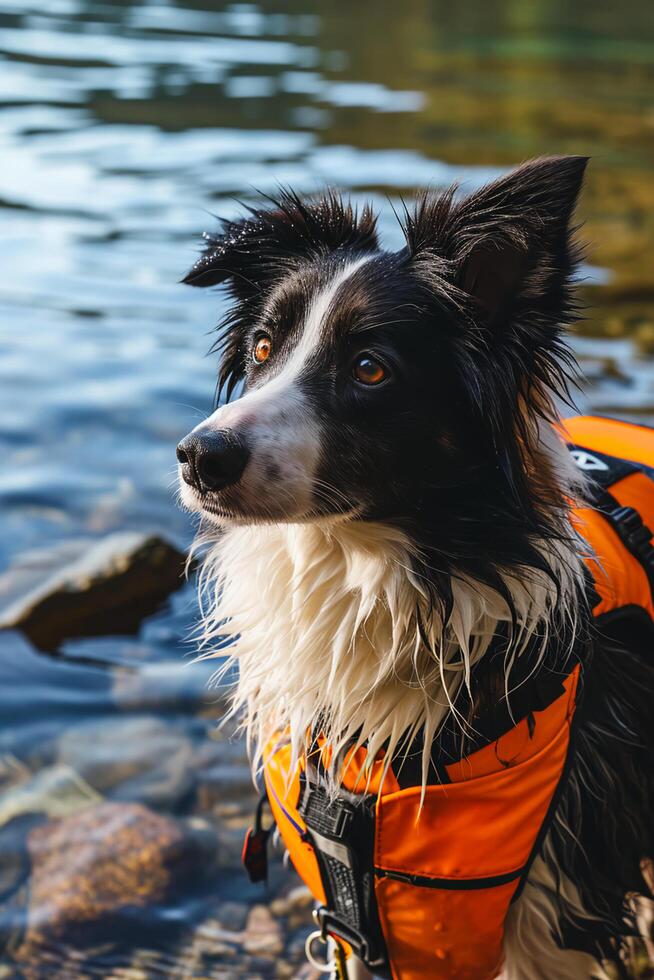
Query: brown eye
368	371
262	349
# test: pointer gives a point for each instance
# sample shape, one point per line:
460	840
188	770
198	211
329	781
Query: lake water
123	128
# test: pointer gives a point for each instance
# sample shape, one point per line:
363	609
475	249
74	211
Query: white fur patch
281	426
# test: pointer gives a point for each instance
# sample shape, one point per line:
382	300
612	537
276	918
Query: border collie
390	483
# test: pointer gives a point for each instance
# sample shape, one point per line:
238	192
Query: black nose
213	460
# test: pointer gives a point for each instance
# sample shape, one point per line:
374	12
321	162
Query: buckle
330	923
627	517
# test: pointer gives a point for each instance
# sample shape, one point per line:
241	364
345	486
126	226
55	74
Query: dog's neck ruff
333	628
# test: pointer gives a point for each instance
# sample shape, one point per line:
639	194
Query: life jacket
418	884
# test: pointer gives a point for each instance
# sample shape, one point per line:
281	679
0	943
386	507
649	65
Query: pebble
263	934
297	898
232	915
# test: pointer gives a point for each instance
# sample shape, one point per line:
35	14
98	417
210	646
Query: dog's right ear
253	253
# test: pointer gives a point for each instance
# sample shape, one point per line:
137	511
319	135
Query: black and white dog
390	484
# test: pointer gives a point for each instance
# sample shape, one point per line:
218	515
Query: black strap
632	531
341	830
605	471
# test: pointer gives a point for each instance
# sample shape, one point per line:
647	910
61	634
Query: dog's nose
212	460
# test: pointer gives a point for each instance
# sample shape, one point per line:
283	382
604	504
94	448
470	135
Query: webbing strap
632	531
342	834
604	471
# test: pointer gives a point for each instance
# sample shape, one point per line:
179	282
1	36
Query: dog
391	509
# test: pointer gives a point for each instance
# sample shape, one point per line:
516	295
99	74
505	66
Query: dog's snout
212	460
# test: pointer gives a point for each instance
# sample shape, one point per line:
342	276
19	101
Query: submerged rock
140	758
263	934
97	873
111	588
56	791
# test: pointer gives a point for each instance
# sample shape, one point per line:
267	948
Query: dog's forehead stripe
309	337
312	330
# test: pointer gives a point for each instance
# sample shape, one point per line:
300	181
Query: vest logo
586	461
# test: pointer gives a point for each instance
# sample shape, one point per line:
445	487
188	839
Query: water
123	128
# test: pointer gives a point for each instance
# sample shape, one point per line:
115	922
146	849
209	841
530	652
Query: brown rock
263	935
95	868
111	588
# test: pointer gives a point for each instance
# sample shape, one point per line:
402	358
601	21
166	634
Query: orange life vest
423	890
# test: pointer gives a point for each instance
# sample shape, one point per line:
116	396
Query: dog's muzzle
212	460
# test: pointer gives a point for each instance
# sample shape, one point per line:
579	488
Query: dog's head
394	386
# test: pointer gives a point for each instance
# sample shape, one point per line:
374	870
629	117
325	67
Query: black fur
603	827
255	253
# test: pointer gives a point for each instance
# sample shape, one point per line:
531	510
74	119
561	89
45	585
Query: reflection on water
123	128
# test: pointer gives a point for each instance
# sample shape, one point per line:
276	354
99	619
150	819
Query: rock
56	791
284	970
263	934
227	789
298	899
99	872
30	568
111	588
232	915
131	758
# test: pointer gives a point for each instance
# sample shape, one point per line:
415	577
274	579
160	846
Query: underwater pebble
297	898
263	934
232	915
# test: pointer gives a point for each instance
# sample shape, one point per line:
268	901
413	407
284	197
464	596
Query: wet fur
368	562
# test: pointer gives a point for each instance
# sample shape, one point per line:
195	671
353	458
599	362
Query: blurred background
123	128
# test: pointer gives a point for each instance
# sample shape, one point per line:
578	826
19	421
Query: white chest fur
326	620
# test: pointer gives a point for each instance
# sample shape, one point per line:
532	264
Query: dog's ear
253	253
509	245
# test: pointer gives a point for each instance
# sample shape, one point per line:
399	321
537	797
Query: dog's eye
262	349
368	371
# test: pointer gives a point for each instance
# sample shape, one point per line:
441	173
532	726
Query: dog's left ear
253	253
509	245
